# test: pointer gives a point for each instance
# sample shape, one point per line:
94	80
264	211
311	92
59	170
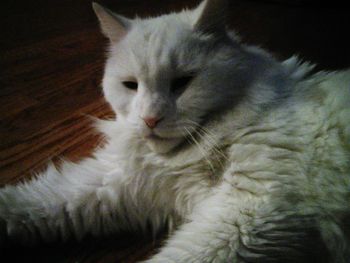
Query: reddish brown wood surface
51	64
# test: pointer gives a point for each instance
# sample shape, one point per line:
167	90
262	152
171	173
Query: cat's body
250	162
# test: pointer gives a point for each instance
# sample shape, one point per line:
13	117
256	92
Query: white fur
253	155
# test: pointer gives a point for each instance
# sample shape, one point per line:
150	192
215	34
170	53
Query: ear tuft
113	26
212	16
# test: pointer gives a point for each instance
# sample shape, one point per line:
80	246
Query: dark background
51	63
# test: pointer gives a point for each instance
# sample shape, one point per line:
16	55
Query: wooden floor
51	64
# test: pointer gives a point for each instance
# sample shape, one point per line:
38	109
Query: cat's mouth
160	144
154	137
159	134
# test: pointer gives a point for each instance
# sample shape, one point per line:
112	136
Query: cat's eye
133	85
181	82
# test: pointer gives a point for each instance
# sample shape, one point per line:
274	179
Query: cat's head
165	75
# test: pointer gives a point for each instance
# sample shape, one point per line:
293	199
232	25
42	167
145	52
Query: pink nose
151	122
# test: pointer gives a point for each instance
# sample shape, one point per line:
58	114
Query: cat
241	157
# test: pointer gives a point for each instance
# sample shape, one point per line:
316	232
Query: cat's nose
151	122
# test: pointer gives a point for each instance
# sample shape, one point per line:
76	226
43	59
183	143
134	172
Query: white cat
243	157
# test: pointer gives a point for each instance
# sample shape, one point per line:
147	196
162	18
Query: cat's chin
161	145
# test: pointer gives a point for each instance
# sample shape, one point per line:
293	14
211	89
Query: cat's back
327	98
322	121
310	129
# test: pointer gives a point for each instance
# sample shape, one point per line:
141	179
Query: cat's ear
113	26
210	16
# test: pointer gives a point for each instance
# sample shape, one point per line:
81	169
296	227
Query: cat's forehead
161	43
159	37
169	24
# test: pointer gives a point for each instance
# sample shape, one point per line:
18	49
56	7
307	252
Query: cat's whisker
207	137
207	131
216	152
200	148
210	139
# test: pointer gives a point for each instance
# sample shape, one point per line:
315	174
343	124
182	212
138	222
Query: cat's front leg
72	201
212	235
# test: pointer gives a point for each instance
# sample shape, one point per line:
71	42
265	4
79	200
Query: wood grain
51	63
